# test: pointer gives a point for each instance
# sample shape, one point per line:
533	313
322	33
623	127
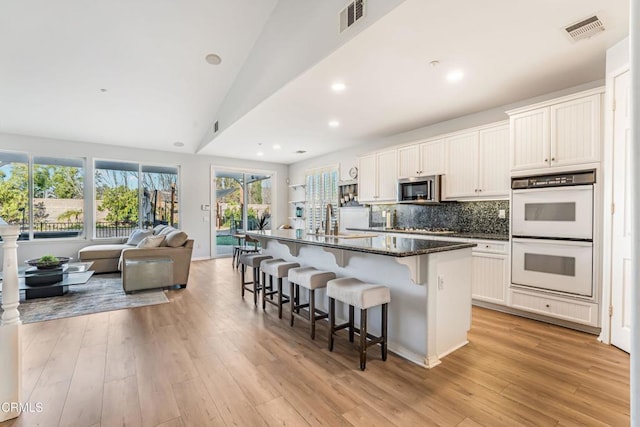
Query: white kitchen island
430	282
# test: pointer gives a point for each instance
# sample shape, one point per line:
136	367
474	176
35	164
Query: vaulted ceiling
134	73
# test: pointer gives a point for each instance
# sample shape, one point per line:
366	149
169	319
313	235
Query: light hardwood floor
210	358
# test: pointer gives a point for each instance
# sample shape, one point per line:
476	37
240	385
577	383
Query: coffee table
74	273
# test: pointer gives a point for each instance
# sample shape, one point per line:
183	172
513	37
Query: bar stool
357	293
253	261
312	279
245	248
279	269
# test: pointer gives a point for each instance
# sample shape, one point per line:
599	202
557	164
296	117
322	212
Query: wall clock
353	172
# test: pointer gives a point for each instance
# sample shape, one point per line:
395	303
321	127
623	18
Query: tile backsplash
466	217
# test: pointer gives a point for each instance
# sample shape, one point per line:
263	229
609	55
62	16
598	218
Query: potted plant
263	221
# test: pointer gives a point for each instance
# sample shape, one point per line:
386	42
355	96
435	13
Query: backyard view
240	198
57	207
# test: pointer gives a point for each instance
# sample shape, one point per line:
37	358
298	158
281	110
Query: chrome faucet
327	223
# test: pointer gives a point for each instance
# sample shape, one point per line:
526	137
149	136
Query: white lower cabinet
490	272
571	310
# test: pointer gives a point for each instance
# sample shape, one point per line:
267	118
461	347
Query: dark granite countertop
366	242
458	234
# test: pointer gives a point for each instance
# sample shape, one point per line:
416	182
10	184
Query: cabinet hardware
546	160
553	159
547	305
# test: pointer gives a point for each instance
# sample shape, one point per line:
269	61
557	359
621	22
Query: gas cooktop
426	230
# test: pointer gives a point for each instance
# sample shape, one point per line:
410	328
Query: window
159	196
56	206
130	196
58	197
116	185
14	191
322	189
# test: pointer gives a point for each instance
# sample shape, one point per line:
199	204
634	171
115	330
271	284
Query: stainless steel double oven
552	232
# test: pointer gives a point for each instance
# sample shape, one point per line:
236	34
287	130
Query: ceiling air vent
585	28
352	13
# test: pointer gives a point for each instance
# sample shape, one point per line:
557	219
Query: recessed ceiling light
455	76
277	147
434	63
338	87
334	123
178	144
213	59
259	154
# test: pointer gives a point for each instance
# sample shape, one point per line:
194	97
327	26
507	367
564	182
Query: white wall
298	34
194	191
348	157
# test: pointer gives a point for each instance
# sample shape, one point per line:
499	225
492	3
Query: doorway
243	201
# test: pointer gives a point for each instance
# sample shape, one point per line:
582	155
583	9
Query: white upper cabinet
422	159
367	174
478	163
378	177
493	162
460	181
530	136
432	157
561	132
409	161
575	131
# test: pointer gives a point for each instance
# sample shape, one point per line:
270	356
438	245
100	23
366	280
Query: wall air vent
585	28
352	13
215	127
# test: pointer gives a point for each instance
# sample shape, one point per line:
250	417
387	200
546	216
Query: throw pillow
137	235
175	239
168	229
158	228
151	242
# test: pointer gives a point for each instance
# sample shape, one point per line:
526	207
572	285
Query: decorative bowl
48	265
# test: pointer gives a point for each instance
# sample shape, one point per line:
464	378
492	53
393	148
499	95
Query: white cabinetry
422	159
490	272
561	132
571	310
378	177
477	163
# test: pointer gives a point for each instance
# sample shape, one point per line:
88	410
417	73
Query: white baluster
10	358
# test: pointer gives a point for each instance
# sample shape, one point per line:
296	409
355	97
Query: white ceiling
55	57
509	50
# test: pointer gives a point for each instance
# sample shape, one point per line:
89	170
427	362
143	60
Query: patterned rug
103	292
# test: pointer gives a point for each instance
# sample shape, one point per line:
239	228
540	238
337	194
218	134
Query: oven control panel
559	180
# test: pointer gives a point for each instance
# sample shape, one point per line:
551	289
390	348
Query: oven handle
566	242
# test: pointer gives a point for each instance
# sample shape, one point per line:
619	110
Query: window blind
322	189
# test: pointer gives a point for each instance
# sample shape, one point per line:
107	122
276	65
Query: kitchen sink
343	235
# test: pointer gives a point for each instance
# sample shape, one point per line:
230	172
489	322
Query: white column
10	359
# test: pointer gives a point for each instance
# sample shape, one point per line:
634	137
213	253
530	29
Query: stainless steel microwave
424	189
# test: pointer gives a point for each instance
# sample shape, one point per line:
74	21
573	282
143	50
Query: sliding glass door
243	202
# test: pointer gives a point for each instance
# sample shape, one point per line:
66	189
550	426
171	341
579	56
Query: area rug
103	292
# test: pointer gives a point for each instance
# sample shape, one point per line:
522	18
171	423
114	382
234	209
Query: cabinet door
460	179
530	139
367	178
575	131
493	162
433	157
387	164
409	161
489	278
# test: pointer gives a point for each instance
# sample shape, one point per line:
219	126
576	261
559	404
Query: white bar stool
279	269
357	293
253	261
311	279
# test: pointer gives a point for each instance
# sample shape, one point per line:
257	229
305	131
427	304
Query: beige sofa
109	258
